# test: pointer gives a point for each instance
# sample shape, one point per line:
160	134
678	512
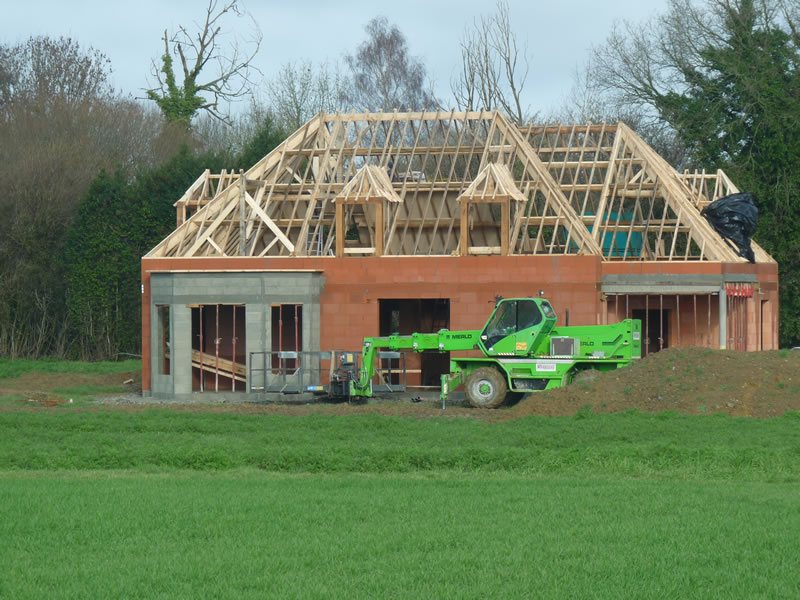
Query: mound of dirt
686	380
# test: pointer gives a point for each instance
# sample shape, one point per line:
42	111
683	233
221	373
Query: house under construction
370	224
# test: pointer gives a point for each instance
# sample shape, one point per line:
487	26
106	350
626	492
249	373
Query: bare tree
649	69
227	138
301	90
790	12
6	73
60	124
493	67
583	103
213	72
587	103
643	63
384	75
43	72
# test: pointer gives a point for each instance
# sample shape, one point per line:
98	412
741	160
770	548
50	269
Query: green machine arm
444	341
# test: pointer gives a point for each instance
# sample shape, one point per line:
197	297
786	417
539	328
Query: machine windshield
511	317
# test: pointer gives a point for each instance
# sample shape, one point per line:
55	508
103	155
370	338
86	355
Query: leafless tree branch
493	67
227	65
384	75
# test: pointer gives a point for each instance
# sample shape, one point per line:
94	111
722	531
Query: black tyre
485	388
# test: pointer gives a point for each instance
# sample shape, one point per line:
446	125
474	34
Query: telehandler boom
522	351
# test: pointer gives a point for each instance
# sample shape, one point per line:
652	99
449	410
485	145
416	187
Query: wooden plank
485	250
340	231
464	229
379	228
606	190
504	227
269	223
210	362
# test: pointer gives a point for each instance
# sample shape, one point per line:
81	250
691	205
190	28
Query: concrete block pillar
257	319
182	348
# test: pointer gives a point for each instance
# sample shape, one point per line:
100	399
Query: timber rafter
442	183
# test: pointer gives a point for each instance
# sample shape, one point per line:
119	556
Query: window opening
287	337
164	331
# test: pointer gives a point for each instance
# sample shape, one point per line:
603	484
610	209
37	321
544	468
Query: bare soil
690	381
48	389
687	380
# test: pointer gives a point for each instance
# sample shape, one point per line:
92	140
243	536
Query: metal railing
298	372
290	372
390	372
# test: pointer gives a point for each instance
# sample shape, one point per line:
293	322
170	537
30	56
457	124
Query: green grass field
160	503
256	535
145	503
16	367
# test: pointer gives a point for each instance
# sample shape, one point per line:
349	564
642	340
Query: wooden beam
464	229
269	223
485	250
379	228
504	227
340	231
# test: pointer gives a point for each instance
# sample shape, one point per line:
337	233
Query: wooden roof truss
444	183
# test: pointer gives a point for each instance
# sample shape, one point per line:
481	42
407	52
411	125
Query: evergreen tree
100	262
117	223
725	76
266	138
741	112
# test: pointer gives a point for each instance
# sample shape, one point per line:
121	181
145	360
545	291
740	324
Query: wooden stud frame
445	183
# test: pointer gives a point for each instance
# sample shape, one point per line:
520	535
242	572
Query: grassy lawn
163	503
99	501
16	367
245	534
623	444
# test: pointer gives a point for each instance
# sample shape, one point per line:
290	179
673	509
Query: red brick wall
353	286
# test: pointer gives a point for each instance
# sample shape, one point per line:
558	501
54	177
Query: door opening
655	329
425	315
219	349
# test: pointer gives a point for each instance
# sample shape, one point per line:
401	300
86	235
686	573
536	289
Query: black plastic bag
734	217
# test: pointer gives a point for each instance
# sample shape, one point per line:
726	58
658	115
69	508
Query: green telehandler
522	351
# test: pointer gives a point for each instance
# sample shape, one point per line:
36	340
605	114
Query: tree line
88	175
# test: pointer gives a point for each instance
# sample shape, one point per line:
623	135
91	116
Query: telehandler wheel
485	388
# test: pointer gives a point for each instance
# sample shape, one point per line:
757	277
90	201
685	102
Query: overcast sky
559	34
